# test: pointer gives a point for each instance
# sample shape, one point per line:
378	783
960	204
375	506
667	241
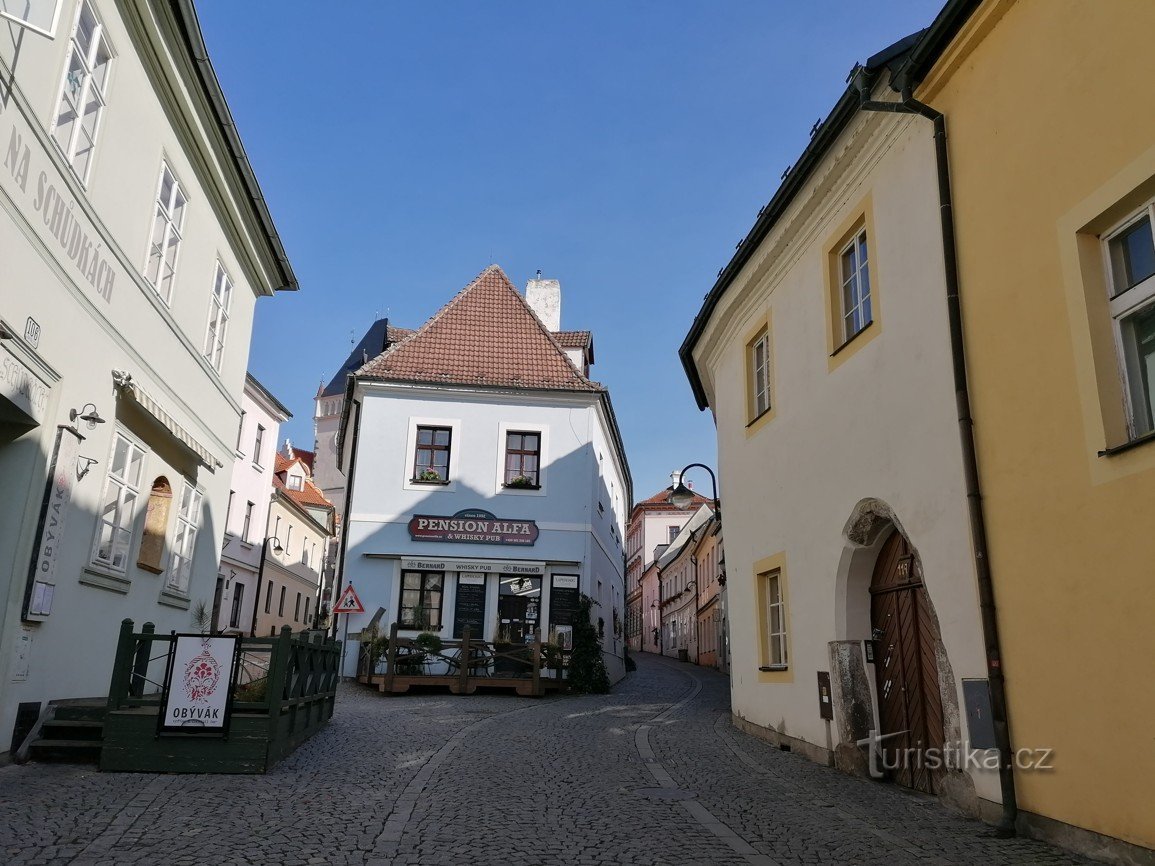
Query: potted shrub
430	476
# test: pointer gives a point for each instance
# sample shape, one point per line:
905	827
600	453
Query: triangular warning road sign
348	602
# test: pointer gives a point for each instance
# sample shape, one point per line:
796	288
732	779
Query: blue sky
621	147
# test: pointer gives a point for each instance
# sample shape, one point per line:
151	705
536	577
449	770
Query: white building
135	244
247	516
822	353
479	455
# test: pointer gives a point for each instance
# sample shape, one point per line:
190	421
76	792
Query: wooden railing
285	692
463	665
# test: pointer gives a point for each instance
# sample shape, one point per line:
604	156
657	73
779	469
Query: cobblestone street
496	780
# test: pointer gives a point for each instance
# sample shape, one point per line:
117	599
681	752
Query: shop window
155	526
421	599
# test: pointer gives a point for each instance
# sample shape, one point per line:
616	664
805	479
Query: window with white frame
855	278
84	91
295	482
1131	261
167	224
258	440
184	542
775	622
222	296
759	366
121	490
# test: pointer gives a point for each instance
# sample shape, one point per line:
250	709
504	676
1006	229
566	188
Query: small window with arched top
155	526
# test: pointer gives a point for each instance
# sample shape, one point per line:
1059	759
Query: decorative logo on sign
201	676
473	526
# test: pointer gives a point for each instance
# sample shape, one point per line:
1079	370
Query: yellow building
1040	107
1052	152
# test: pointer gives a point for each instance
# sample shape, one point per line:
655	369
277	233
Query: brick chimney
544	298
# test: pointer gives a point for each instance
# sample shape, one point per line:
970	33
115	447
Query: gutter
988	612
339	578
186	17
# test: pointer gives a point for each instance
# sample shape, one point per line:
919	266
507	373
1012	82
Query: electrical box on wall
825	702
980	719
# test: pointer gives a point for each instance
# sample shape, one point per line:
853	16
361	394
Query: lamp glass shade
682	496
277	547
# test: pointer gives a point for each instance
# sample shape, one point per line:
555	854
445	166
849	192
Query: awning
147	402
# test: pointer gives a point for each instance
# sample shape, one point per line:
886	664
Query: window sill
101	579
441	483
773	668
759	416
173	598
851	339
521	487
150	568
1127	446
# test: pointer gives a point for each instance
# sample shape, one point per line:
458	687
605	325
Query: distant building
246	519
678	593
653	524
710	586
486	477
301	524
136	243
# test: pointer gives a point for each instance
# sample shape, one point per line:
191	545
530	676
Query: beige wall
876	421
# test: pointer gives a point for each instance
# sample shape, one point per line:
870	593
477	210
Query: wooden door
906	667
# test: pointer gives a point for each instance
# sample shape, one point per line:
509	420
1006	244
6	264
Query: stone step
72	729
81	712
66	751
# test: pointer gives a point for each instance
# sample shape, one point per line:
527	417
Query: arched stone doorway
906	641
879	561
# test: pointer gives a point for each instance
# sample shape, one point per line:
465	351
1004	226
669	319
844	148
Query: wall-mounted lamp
83	464
90	418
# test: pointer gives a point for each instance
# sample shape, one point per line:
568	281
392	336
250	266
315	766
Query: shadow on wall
439	501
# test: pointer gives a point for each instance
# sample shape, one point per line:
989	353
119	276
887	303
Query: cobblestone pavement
493	779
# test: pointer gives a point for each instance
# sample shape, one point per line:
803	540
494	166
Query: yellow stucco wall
1048	106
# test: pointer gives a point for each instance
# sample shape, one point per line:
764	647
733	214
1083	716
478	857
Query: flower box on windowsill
521	483
420	480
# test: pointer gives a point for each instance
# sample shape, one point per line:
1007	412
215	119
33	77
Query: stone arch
155	526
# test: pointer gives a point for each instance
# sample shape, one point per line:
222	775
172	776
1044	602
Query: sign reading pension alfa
198	684
472	526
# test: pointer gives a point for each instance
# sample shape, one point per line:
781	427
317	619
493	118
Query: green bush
587	669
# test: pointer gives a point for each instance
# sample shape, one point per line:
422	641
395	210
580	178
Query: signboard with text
473	526
199	684
41	588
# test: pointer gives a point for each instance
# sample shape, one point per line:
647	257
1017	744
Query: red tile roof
573	339
486	335
660	501
306	457
309	496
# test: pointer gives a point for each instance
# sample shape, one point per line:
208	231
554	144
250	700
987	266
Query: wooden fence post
121	666
140	665
391	660
465	660
275	688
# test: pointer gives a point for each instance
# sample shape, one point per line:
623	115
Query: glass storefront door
518	609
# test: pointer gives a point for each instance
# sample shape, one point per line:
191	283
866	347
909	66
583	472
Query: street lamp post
261	576
682	496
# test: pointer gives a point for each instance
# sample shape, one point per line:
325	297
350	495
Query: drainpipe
348	498
909	105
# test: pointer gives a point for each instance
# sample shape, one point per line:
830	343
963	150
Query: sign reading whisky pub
473	526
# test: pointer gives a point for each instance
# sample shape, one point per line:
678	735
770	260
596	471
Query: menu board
469	609
563	599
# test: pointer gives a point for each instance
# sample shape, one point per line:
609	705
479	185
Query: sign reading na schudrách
198	685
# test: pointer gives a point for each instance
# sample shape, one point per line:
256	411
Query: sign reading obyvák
473	526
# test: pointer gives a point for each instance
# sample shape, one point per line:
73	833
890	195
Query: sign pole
345	645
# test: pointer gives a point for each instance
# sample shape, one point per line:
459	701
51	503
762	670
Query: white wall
881	425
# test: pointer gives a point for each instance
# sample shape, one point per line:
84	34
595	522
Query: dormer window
295	482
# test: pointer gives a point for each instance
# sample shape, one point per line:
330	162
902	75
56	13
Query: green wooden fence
285	690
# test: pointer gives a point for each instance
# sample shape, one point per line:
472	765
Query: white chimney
544	298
